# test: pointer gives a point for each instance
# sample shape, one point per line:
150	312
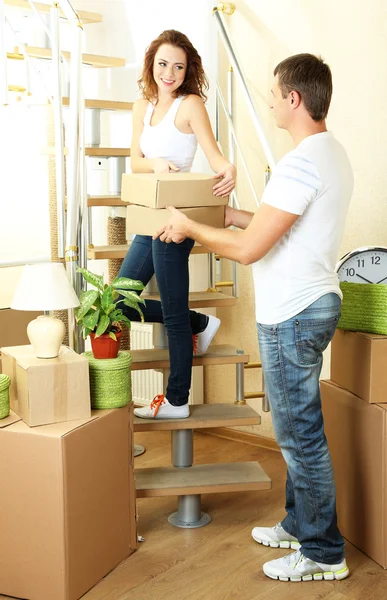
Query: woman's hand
161	165
227	183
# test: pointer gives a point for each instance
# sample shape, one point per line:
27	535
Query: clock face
365	265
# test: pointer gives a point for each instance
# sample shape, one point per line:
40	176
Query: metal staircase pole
188	514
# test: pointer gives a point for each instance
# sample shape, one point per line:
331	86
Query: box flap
12	418
329	382
56	430
25	356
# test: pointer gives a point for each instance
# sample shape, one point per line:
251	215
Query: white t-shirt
314	180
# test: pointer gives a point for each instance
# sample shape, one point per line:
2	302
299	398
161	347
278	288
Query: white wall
127	29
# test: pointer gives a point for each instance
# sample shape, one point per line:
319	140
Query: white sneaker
160	408
275	537
203	339
296	567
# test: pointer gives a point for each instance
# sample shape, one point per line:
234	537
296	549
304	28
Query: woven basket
110	380
364	307
4	396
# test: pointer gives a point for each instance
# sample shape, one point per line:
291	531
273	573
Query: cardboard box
357	438
159	190
13	326
47	390
359	364
146	221
67	515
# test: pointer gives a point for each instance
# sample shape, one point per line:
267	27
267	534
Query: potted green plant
99	315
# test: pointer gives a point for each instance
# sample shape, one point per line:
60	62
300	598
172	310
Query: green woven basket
364	307
110	380
4	396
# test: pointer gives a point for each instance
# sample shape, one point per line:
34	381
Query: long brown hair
195	81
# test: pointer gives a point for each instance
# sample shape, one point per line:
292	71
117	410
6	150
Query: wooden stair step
92	60
103	104
103	152
222	354
85	16
119	251
203	299
106	200
201	479
203	416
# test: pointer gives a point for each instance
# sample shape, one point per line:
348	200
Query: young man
292	242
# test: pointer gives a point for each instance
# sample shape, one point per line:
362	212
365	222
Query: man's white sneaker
275	537
160	408
202	340
296	567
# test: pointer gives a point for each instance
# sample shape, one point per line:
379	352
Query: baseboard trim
242	436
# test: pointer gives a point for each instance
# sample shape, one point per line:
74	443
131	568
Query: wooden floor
221	561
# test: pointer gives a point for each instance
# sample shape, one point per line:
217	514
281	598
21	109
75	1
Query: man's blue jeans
170	263
291	355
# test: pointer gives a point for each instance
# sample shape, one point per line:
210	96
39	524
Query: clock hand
367	280
381	280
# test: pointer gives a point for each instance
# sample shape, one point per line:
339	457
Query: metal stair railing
235	68
71	235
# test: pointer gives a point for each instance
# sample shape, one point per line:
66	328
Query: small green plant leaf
123	319
132	296
103	324
136	307
124	283
91	319
113	335
107	298
87	301
96	280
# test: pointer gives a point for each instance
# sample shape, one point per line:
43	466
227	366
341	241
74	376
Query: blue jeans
170	264
291	355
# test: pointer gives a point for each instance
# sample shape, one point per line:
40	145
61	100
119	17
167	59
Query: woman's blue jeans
170	264
291	355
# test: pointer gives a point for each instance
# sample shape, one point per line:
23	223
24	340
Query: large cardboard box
13	326
67	513
159	190
47	390
146	221
357	438
359	364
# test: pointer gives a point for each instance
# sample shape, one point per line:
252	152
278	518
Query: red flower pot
104	346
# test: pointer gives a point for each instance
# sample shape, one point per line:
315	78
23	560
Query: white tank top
164	140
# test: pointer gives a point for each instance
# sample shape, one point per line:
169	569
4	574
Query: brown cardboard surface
356	433
67	517
146	221
12	418
13	326
159	190
45	391
359	364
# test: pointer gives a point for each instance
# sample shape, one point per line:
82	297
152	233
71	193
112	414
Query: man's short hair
311	78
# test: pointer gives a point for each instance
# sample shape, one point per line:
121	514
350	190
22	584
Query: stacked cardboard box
67	496
67	502
355	414
149	194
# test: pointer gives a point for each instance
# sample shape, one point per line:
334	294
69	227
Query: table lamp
45	287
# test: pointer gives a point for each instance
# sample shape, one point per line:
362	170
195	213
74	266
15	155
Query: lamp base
46	335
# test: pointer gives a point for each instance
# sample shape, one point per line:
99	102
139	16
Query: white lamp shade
44	286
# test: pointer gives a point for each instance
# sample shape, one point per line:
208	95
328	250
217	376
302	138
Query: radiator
147	384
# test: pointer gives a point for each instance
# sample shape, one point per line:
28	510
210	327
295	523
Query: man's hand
227	183
160	165
176	230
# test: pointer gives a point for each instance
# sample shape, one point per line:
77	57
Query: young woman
168	123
